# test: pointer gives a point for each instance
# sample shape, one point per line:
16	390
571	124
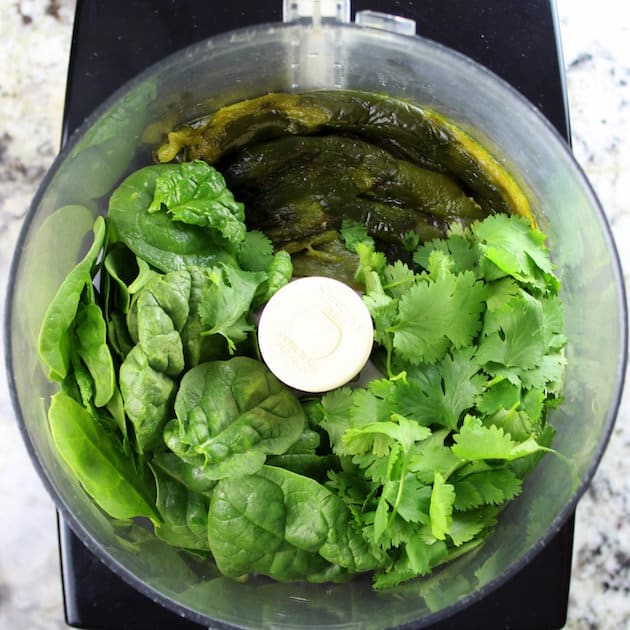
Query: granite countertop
34	44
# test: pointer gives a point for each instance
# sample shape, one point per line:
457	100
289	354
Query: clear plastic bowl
119	137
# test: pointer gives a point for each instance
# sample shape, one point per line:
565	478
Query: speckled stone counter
34	44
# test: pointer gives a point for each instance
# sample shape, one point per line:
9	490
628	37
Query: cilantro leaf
224	306
353	233
441	507
462	250
410	498
476	442
512	334
418	558
369	258
397	278
336	406
379	436
256	252
547	375
514	422
501	395
487	487
435	314
381	519
440	393
370	404
517	250
427	459
500	292
465	526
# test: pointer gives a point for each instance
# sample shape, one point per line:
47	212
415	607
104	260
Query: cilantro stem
494	381
389	347
393	285
401	485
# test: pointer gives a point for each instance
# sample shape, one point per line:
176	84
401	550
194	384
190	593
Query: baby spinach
97	459
54	336
285	526
231	415
193	477
184	513
91	335
195	193
148	396
158	313
165	244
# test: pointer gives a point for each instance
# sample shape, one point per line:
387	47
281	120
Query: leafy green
440	393
155	237
486	487
91	335
184	513
511	245
196	193
148	396
230	416
98	461
476	442
285	526
441	507
224	307
256	251
435	314
55	333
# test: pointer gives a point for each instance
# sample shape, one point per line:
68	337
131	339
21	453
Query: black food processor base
115	39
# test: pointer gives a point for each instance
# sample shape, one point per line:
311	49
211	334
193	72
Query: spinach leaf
96	458
158	313
54	336
127	273
165	244
231	415
148	397
285	526
193	477
91	335
196	193
184	513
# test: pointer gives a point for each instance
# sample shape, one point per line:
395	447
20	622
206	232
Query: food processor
520	579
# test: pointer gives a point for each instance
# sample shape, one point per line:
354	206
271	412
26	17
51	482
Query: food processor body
318	48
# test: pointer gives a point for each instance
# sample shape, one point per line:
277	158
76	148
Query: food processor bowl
322	50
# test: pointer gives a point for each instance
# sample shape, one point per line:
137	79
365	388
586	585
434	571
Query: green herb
224	308
473	358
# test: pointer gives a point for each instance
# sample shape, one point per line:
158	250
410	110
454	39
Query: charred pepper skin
406	130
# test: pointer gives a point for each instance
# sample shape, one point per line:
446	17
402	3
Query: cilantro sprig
470	339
